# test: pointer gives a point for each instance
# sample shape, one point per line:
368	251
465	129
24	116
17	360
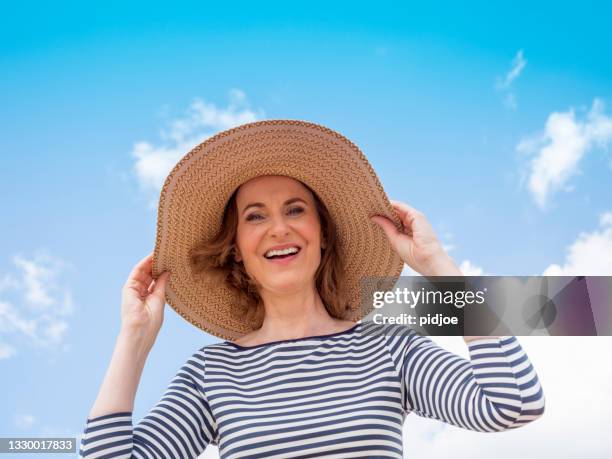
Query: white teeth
287	251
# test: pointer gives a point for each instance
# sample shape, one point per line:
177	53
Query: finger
142	272
387	226
403	212
159	288
143	267
136	286
406	217
154	282
402	206
141	288
140	278
408	214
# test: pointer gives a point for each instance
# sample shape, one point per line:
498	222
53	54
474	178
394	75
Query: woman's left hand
418	245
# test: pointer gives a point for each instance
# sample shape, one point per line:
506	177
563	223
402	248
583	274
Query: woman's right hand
142	302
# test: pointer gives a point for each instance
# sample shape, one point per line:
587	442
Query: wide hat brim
196	191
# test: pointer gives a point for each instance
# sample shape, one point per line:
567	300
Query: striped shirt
342	395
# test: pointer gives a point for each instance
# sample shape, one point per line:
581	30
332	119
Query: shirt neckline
290	340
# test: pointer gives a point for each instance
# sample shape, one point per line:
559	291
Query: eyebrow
287	202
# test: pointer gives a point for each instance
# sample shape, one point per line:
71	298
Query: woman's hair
213	261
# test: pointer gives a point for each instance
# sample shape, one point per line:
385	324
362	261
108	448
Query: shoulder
199	357
388	330
397	337
195	364
344	326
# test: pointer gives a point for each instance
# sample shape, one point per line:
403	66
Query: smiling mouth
283	255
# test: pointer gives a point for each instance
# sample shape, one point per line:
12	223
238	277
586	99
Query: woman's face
277	212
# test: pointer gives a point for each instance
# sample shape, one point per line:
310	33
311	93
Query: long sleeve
181	424
496	390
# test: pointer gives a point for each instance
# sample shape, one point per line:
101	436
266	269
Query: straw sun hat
197	189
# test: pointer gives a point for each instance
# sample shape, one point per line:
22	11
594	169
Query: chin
287	283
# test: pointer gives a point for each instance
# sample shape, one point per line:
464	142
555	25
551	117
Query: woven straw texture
197	189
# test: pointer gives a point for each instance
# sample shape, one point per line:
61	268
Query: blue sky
495	121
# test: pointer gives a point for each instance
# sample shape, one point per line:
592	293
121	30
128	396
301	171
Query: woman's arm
497	389
120	383
181	424
142	314
443	265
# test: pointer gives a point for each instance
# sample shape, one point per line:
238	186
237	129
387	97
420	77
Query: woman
304	380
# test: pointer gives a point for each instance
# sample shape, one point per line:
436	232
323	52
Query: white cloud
155	161
470	269
504	84
558	150
518	64
12	320
590	254
54	330
36	278
34	304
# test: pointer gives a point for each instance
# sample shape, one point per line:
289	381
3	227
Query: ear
237	256
323	243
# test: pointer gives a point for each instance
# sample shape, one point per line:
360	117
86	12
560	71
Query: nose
279	227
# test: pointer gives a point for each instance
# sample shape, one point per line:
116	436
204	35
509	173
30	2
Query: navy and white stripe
343	395
497	390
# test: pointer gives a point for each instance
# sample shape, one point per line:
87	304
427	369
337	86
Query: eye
253	216
296	210
292	211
